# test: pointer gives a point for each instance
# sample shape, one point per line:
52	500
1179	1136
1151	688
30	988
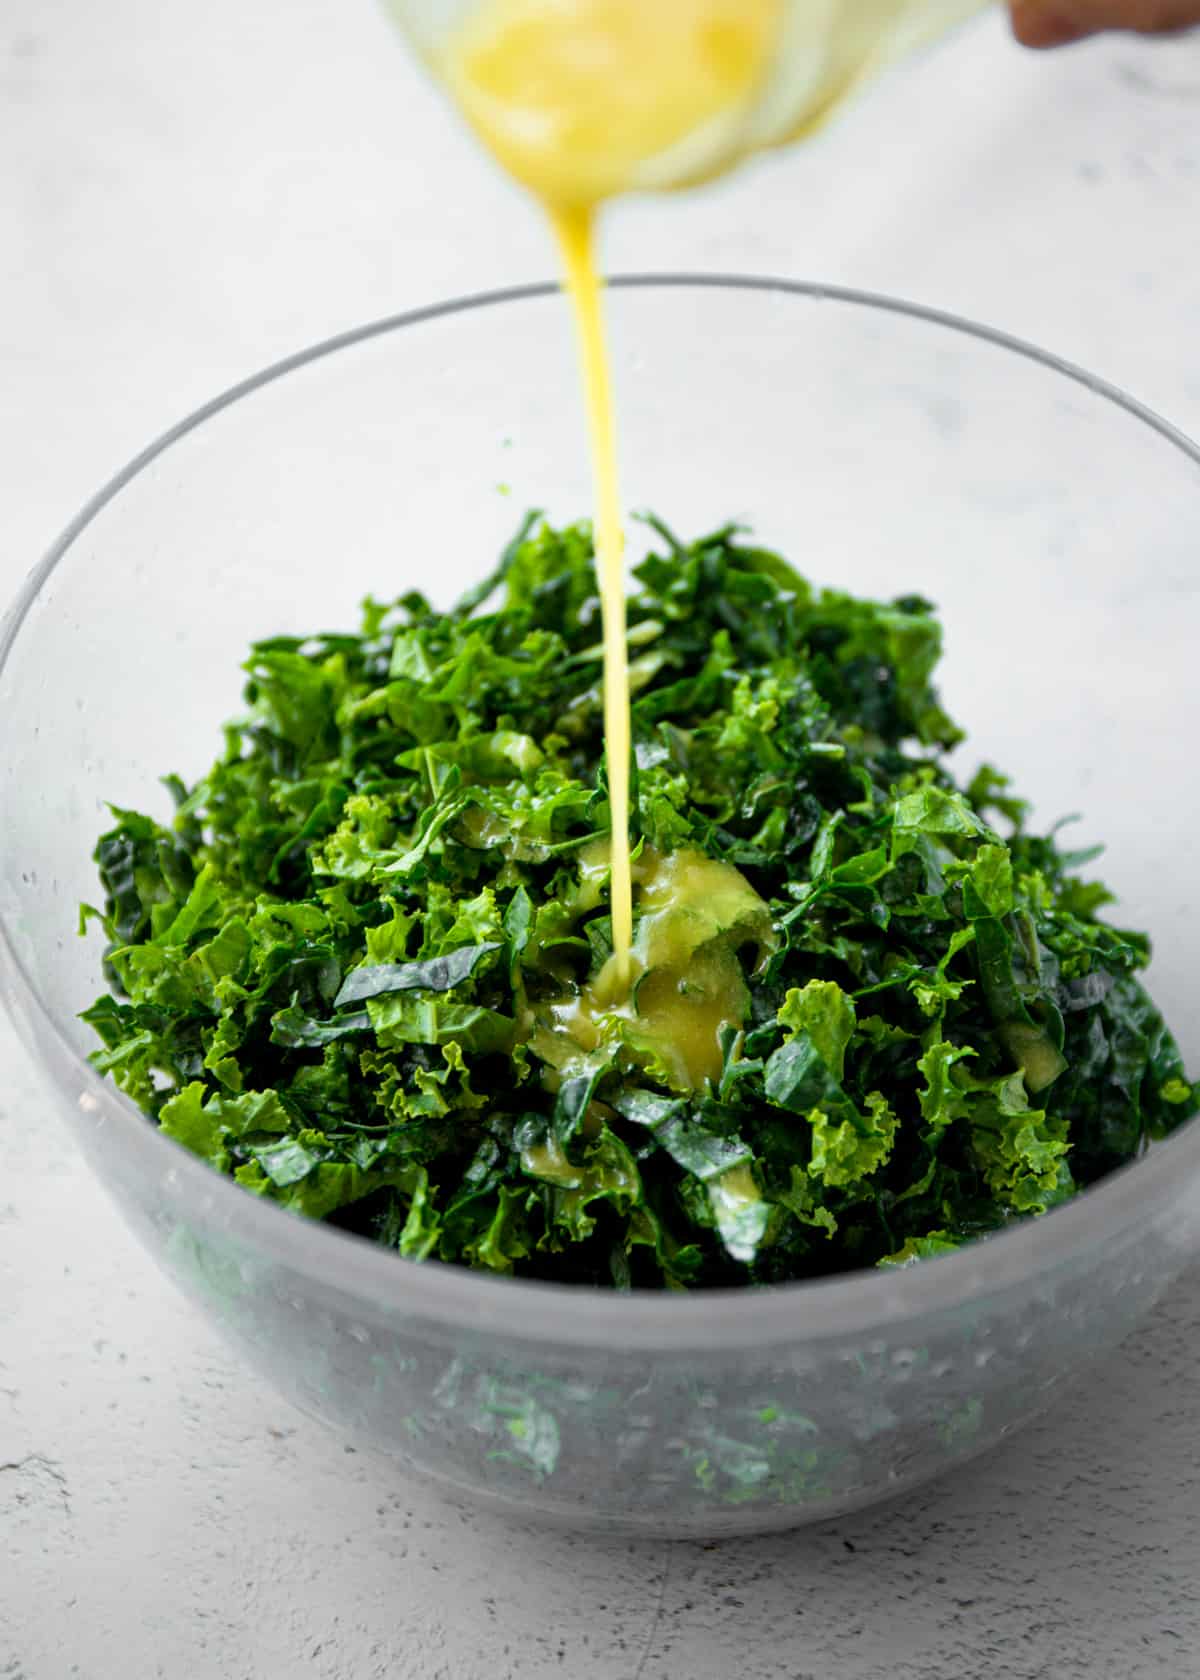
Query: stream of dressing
572	97
575	230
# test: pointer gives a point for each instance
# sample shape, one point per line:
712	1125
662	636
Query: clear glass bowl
885	449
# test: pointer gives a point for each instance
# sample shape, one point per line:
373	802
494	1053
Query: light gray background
186	192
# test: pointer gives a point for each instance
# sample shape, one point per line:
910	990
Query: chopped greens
363	969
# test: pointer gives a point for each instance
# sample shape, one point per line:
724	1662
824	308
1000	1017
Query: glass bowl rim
567	1315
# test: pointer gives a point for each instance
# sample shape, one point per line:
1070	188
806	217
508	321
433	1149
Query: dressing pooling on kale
364	969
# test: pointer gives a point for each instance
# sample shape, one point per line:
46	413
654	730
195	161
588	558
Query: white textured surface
185	193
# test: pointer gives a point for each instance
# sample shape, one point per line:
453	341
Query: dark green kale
342	972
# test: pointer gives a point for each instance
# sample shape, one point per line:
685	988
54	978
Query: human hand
1054	23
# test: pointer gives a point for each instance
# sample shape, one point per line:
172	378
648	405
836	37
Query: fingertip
1039	26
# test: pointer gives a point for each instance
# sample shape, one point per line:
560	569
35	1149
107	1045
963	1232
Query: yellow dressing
686	900
548	1160
695	915
680	1014
574	229
575	97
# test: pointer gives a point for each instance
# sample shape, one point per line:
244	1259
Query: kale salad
362	968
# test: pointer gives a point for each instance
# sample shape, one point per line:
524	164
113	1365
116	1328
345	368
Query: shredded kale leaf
345	972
